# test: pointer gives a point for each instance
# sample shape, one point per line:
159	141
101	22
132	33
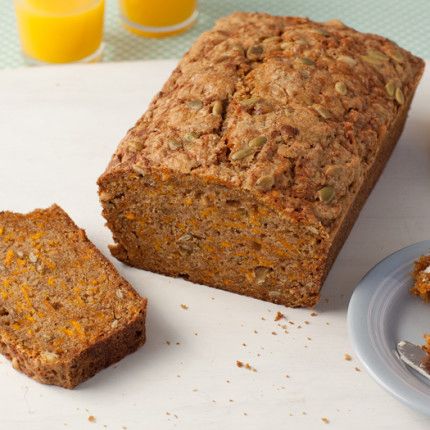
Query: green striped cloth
406	22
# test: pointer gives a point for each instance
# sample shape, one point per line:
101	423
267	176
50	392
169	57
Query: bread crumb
243	344
168	342
231	400
249	367
264	319
314	314
274	333
279	316
325	420
92	419
245	365
306	322
309	338
357	369
347	357
184	306
255	331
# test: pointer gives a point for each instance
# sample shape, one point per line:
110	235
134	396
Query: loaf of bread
251	165
65	312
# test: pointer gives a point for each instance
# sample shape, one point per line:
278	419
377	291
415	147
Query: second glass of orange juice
158	18
60	31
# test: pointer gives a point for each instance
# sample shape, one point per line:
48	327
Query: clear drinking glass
60	31
158	18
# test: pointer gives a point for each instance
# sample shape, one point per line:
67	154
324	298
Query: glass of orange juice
158	18
60	31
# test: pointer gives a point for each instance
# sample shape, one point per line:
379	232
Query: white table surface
58	129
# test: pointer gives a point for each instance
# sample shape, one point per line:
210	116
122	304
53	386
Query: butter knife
413	356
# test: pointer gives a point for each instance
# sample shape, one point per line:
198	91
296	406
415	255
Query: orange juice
60	31
158	18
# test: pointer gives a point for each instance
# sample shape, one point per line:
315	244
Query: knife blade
413	356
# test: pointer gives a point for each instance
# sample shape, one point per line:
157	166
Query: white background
58	129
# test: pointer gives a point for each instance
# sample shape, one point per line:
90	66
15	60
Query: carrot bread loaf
65	312
250	166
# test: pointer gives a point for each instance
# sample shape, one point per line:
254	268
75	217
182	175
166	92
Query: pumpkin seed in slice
255	52
390	88
257	142
241	154
217	108
307	61
326	194
325	113
265	183
340	87
347	60
399	96
195	104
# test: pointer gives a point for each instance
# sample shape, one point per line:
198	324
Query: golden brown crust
297	116
65	312
351	214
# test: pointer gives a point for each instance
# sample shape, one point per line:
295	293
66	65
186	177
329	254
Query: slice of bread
65	312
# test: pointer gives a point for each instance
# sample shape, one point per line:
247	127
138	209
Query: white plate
382	311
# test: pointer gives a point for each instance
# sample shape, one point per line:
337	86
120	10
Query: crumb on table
245	365
279	316
92	419
347	357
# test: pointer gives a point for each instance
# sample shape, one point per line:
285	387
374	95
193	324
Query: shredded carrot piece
9	257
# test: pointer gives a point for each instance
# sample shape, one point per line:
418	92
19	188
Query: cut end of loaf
211	234
65	312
